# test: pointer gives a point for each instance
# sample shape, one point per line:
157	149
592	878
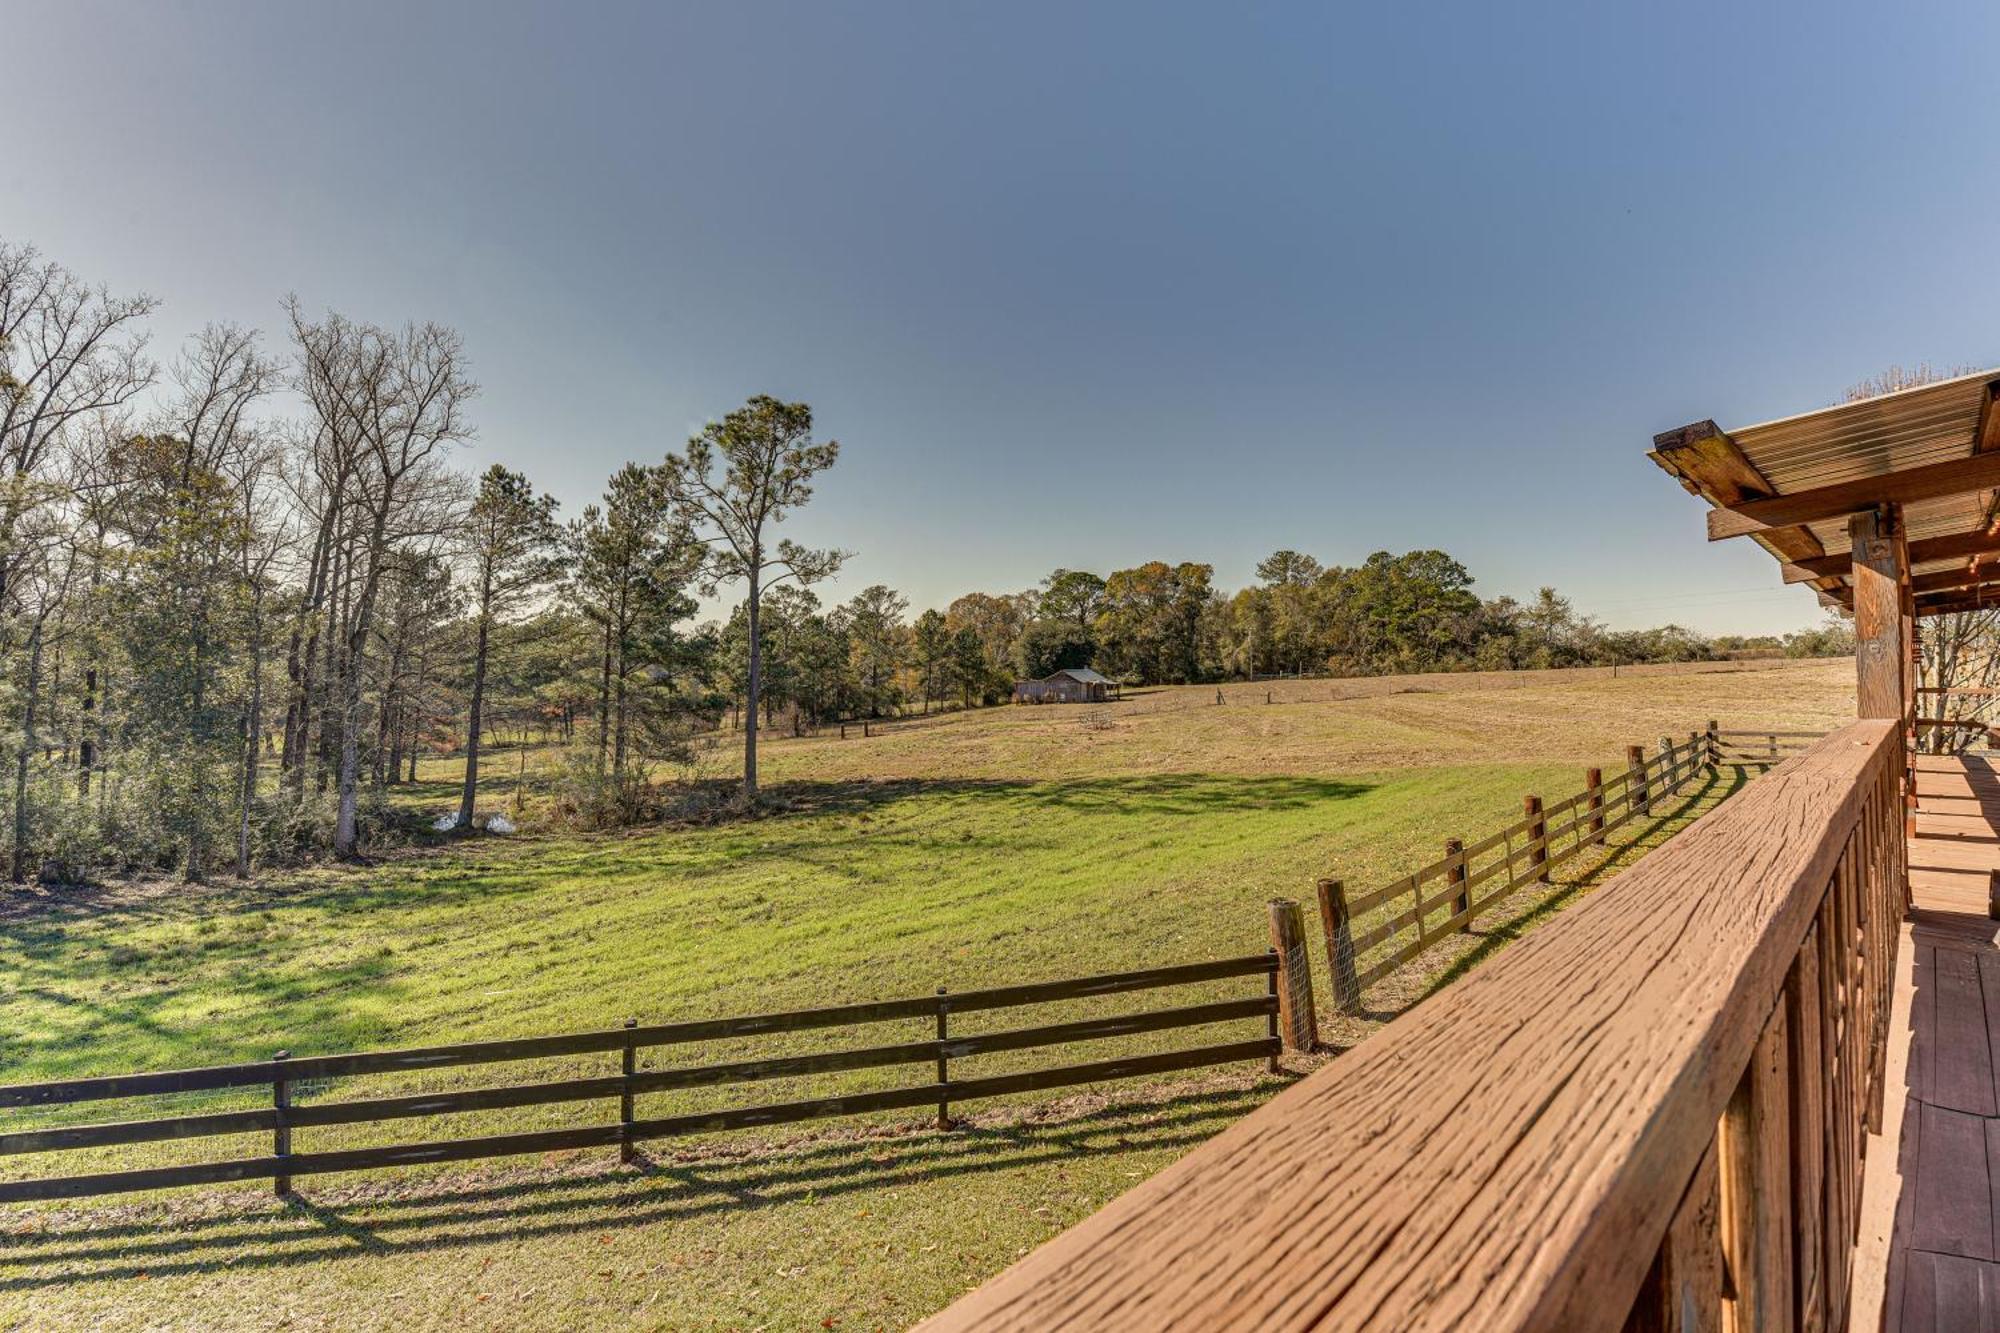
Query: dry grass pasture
1013	844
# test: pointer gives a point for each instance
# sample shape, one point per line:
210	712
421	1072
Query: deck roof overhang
1791	485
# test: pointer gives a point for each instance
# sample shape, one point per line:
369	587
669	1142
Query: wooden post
1298	1023
1218	698
1454	878
1714	745
1339	929
943	1062
864	731
281	1132
627	1150
1593	786
1267	696
1538	837
1635	779
843	731
1881	574
1993	894
1669	778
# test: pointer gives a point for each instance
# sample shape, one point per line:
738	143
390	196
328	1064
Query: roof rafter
1954	476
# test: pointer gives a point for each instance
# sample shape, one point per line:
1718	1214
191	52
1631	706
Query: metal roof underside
1873	438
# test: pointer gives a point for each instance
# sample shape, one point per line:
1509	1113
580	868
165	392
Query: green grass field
1006	845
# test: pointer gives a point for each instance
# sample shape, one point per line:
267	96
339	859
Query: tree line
243	592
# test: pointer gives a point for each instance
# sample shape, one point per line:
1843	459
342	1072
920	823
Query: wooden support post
281	1132
943	1062
1538	838
1713	756
1670	762
864	731
1881	574
1635	779
1593	786
1339	929
843	731
1218	698
629	1064
1297	1022
1454	878
1993	894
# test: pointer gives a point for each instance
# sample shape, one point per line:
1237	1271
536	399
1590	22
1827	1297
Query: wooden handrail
1542	1144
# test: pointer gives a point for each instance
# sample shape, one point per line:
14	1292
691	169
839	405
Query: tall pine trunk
474	721
750	705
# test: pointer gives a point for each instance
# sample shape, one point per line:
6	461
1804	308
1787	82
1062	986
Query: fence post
1218	698
1538	837
1295	994
1773	738
281	1131
1714	745
1667	777
843	731
943	1071
1635	779
1993	895
1267	696
1593	786
627	1150
1454	879
1339	945
864	731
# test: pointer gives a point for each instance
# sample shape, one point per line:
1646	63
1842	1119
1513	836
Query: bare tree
398	399
68	352
768	460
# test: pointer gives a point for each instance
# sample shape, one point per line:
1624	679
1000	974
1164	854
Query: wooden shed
1752	1082
1071	685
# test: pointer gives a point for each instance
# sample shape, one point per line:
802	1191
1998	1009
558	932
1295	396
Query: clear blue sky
1078	286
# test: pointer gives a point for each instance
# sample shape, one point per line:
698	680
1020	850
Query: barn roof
1083	675
1790	485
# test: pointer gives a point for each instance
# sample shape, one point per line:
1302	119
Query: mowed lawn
1001	846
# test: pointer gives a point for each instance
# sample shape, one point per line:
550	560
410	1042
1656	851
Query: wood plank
1716	468
1953	546
1807	1074
1964	1082
1953	476
1953	1213
1523	1187
1755	1150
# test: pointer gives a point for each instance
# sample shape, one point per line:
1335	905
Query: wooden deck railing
284	1075
1649	1113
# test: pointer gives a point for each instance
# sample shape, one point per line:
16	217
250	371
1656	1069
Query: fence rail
282	1073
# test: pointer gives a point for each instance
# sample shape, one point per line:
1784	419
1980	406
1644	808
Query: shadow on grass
423	1219
1641	837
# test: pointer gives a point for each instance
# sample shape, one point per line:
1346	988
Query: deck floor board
1930	1229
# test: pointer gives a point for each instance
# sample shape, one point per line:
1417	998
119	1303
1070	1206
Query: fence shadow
422	1218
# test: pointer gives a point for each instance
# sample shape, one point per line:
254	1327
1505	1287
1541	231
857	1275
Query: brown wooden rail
1649	1113
1365	945
283	1074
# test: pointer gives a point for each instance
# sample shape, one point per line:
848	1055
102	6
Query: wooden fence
283	1075
1648	1114
1440	899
